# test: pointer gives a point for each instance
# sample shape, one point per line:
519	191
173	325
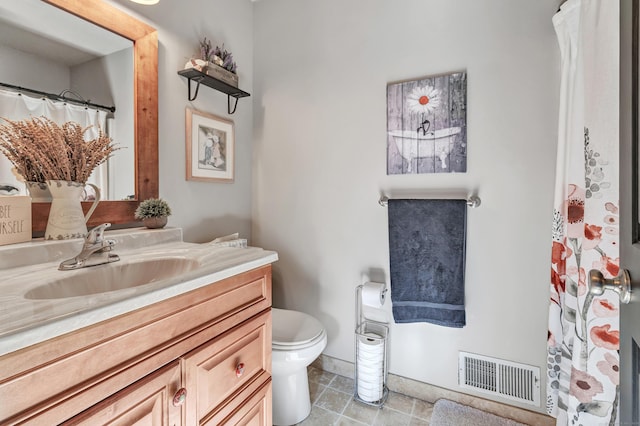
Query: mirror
145	110
83	62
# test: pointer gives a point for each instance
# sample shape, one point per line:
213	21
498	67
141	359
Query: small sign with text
15	219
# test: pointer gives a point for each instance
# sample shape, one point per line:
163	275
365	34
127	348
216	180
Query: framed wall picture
210	146
427	125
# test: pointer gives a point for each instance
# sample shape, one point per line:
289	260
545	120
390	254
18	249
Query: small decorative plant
153	212
219	56
153	207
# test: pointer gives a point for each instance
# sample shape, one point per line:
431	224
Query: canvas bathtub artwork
427	125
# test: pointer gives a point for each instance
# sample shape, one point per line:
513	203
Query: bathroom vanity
188	348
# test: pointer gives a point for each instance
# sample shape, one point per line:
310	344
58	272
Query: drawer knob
239	369
179	397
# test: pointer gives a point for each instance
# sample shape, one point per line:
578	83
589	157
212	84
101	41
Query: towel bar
473	201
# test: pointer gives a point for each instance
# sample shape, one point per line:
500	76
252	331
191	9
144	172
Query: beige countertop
23	267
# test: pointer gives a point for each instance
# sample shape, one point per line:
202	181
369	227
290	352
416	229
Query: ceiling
40	29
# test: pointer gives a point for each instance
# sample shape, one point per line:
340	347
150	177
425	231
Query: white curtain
583	339
16	106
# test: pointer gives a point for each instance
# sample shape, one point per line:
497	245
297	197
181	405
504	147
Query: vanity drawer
252	407
218	371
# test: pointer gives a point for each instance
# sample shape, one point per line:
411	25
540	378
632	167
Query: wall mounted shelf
219	85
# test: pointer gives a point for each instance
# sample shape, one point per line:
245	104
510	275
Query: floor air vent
518	382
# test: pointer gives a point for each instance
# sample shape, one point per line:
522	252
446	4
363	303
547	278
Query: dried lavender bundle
42	150
17	152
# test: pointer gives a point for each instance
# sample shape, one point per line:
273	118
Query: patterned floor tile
320	417
315	390
319	376
361	412
387	417
422	410
400	402
333	400
341	383
333	404
418	422
345	421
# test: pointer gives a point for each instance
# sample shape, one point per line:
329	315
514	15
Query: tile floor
333	404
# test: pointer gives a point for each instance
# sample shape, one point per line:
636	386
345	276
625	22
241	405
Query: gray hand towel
427	258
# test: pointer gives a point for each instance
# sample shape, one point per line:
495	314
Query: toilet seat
294	330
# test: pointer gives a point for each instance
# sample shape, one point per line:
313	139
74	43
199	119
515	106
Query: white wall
26	70
108	80
202	210
320	76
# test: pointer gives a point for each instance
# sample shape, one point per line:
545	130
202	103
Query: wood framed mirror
145	79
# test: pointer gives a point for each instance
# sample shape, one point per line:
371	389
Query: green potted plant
153	212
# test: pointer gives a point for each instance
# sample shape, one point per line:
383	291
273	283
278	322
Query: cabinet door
148	402
220	373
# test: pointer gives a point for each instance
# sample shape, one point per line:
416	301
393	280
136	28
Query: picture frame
210	147
427	125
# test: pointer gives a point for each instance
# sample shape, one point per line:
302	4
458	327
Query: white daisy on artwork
423	99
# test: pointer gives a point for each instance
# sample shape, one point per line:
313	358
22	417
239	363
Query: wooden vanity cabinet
213	342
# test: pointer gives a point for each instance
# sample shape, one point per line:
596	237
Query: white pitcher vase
66	219
39	192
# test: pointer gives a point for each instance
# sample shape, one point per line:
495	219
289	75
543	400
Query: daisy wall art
427	125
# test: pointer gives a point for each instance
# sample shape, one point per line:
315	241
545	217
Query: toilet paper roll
373	294
370	343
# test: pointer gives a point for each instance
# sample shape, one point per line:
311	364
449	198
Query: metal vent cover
510	380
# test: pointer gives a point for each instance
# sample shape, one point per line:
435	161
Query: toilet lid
292	328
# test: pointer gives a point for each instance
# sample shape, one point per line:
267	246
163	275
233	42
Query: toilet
298	339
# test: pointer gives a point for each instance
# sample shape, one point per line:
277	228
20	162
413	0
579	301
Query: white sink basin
111	277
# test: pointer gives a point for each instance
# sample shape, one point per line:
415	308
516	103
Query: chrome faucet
95	251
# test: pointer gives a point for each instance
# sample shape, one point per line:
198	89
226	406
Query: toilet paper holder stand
370	384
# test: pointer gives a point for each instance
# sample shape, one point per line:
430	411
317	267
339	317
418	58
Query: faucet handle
96	234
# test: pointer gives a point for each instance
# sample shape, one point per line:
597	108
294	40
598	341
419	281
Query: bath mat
449	413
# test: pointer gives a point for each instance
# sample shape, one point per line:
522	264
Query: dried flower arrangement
206	51
219	56
41	150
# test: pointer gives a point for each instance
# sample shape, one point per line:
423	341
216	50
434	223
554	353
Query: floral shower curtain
583	338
